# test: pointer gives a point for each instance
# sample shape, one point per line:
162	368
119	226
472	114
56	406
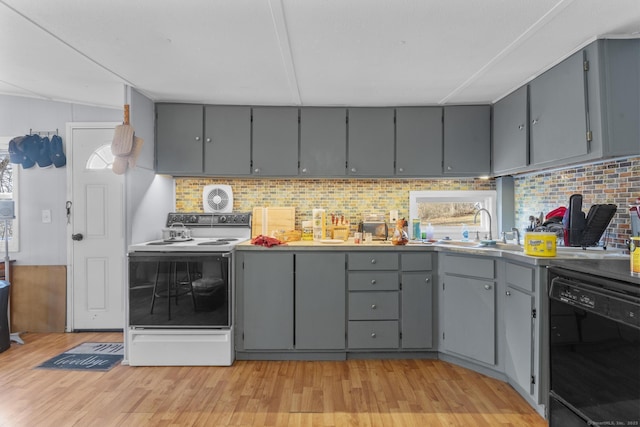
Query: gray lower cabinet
179	138
510	150
267	301
417	300
371	142
519	320
467	140
373	300
275	141
419	141
227	140
320	301
469	307
323	142
324	301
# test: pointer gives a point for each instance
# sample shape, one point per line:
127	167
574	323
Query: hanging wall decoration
33	149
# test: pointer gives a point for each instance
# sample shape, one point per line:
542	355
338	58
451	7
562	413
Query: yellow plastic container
634	250
540	244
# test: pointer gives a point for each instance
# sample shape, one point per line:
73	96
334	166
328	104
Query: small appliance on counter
376	225
581	230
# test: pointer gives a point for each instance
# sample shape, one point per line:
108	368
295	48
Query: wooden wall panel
38	301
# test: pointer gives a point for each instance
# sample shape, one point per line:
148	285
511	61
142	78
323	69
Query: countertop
473	248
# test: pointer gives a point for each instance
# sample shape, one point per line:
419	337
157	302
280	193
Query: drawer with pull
373	281
373	306
373	334
373	261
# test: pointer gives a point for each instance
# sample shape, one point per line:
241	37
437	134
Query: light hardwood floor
350	393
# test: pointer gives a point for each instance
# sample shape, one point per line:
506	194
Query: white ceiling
294	52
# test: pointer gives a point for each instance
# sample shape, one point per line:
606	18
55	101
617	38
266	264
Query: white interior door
96	248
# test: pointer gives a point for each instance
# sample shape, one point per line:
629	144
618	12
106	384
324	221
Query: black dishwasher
594	344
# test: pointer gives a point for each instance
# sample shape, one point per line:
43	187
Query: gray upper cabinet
511	132
371	142
227	140
419	141
558	112
275	141
323	142
613	89
467	140
586	108
179	138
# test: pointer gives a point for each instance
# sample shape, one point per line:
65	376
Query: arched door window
101	159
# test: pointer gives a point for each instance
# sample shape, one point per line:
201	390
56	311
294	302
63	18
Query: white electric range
181	291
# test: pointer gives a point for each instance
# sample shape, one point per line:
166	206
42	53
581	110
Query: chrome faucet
517	233
489	215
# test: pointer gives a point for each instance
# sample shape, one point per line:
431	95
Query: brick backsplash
616	181
349	197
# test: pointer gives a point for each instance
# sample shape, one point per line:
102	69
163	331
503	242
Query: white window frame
14	242
487	198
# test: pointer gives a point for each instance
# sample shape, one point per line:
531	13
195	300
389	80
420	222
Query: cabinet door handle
508	293
373	261
256	170
373	306
400	170
373	334
487	287
197	138
208	139
520	127
304	170
373	281
535	121
426	280
353	170
449	168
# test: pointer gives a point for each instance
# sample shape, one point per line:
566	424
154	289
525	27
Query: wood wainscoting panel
38	301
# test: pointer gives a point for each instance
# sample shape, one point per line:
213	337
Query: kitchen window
446	211
8	191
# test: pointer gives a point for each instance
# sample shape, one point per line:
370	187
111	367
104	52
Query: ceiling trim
534	28
70	46
280	26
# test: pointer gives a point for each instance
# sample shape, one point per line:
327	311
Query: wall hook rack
42	132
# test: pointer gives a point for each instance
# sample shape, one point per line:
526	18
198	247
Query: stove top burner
215	242
227	239
160	243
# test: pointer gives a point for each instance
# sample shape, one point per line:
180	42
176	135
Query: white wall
44	244
149	196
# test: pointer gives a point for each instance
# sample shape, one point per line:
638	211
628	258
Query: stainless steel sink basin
509	247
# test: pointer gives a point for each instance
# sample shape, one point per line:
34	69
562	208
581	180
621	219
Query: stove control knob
193	219
222	218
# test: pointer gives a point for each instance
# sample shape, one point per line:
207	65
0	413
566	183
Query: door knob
77	237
